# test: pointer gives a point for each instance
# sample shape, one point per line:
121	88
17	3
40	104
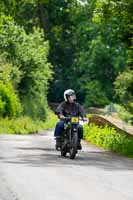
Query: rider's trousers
60	127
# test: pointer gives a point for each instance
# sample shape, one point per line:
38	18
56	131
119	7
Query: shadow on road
48	157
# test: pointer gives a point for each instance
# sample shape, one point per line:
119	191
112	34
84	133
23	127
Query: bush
123	87
109	138
28	52
2	107
123	113
25	125
9	102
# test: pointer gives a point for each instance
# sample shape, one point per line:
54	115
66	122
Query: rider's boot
58	143
79	145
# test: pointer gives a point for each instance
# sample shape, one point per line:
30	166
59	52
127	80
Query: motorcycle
69	137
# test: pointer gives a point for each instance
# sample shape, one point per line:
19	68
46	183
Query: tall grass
109	138
25	125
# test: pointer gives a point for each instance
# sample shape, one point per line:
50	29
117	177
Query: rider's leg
58	131
80	136
80	131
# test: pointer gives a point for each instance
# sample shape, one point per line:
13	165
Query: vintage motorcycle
69	137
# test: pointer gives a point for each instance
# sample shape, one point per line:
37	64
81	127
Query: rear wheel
74	145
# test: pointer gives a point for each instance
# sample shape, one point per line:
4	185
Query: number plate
75	120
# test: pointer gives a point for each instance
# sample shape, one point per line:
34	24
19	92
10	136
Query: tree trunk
43	16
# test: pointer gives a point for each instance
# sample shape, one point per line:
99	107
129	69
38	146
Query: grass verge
25	125
108	138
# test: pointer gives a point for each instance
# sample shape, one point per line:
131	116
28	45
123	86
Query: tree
29	53
118	18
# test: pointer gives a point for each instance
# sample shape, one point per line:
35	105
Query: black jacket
70	109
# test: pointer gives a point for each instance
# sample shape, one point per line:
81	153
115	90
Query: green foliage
117	15
85	54
131	107
50	122
98	98
123	113
29	53
26	125
9	102
9	77
124	88
9	73
22	125
97	66
110	139
2	106
117	18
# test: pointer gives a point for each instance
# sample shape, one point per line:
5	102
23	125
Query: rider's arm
59	111
61	116
82	112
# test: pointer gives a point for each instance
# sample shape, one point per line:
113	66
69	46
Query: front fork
71	134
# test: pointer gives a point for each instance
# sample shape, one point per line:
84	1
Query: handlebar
80	119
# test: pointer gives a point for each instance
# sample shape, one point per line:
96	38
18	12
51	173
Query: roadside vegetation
110	139
121	112
26	125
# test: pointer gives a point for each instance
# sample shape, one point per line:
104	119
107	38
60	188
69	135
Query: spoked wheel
74	145
64	149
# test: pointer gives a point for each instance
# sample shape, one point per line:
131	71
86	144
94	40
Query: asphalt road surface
31	169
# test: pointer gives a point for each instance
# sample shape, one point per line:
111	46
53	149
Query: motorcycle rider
69	107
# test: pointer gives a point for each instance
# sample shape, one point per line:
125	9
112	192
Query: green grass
109	138
25	125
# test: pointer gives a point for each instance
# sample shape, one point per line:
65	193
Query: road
31	169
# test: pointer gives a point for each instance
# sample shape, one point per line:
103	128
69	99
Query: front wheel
64	148
74	145
63	152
